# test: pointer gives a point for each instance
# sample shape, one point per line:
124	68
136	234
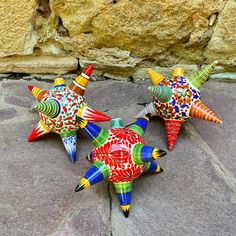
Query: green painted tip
163	93
50	108
117	123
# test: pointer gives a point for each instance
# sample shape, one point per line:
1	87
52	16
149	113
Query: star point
58	109
119	156
177	99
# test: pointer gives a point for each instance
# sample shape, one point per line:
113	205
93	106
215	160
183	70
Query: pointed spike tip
69	139
51	108
30	87
149	109
84	183
126	214
162	153
79	188
125	210
88	70
172	132
32	137
158	153
91	114
159	170
72	156
163	93
170	147
39	130
201	111
155	77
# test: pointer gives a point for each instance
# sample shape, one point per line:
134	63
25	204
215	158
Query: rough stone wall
119	36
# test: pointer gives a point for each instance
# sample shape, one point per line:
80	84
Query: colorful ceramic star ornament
58	108
178	99
119	156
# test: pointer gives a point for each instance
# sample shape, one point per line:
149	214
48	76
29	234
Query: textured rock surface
16	32
120	36
195	195
38	64
223	40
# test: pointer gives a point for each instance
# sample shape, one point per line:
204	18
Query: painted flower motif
116	153
183	95
166	110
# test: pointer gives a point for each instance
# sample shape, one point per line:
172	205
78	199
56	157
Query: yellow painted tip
155	77
35	91
88	157
59	81
82	123
146	117
125	209
159	169
178	71
85	183
156	153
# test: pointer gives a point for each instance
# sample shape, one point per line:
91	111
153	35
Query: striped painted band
78	85
123	187
85	76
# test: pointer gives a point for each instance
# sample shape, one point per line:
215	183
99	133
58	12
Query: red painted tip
170	146
88	70
32	137
172	132
100	117
93	115
36	133
30	87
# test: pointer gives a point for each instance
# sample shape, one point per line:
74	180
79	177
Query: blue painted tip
70	146
72	157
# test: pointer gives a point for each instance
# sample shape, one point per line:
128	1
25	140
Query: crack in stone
28	77
224	173
115	109
68	217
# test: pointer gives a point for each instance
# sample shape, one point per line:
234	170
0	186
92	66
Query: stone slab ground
195	195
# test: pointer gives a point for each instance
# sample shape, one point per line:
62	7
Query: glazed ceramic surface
58	109
119	156
177	99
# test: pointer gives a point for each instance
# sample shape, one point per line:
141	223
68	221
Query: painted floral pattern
116	153
70	105
183	96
